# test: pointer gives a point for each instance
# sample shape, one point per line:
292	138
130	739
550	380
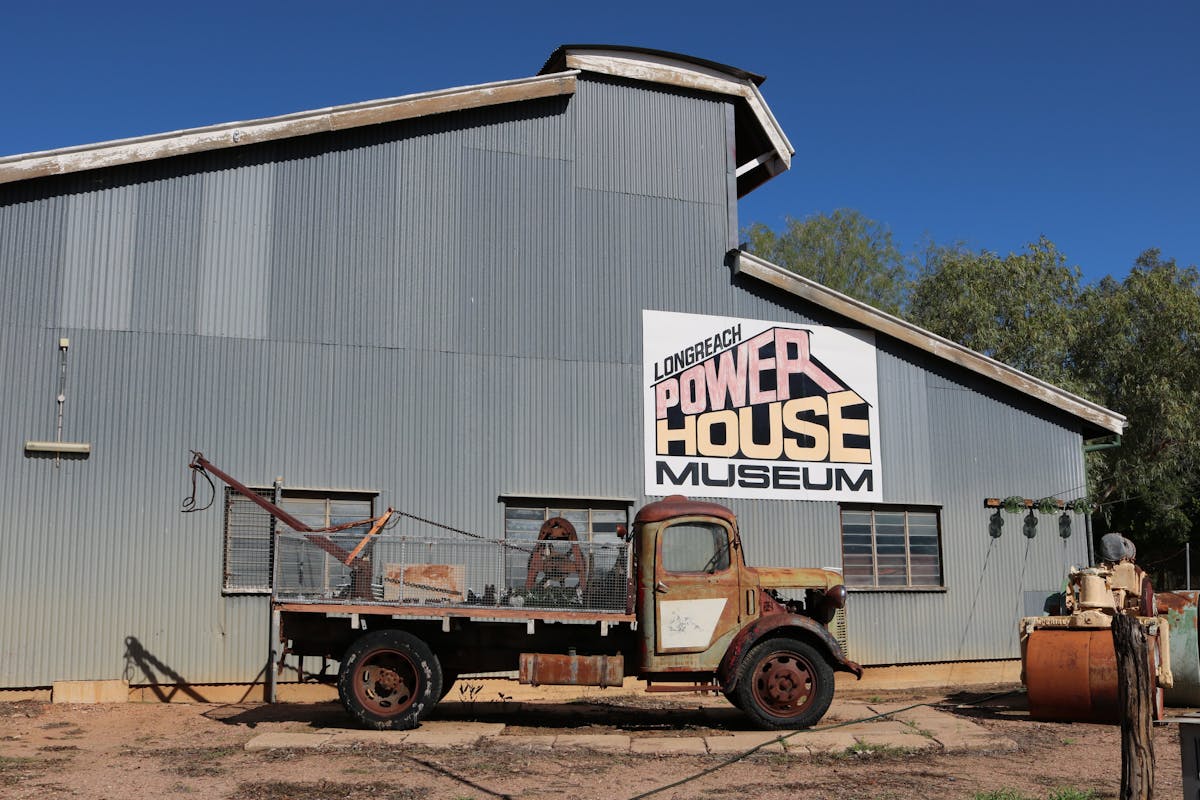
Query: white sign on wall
747	408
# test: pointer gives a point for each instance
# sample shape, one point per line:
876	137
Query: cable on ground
785	737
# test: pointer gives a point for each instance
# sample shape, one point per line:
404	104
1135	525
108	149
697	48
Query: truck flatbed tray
508	614
387	573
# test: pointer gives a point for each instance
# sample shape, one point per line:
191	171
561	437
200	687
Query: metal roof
236	134
763	149
1094	414
557	60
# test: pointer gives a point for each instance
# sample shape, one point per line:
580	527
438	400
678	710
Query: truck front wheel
389	680
784	683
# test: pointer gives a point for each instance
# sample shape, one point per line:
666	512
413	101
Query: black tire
784	684
389	680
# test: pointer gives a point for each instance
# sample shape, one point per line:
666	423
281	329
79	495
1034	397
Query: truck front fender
792	625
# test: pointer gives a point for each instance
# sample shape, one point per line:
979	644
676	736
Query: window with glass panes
250	531
888	547
594	521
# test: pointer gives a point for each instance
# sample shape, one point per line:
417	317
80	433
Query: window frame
280	495
719	529
906	510
560	504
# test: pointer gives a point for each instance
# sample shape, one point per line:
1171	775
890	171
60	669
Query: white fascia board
234	134
922	339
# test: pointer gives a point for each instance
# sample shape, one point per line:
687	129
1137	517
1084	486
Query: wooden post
1134	695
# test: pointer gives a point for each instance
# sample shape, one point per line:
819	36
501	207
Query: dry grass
323	790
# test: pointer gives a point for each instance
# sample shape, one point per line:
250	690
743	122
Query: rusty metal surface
1071	675
782	623
664	688
572	670
1180	609
795	577
677	506
506	614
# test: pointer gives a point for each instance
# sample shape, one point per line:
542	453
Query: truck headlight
836	595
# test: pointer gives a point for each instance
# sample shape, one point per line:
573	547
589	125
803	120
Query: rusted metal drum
1071	675
1180	610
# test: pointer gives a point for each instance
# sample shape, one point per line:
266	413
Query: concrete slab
907	741
526	742
669	745
953	733
90	692
452	734
878	726
346	738
844	711
813	742
298	741
742	741
606	742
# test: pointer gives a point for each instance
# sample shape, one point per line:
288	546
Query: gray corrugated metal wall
444	310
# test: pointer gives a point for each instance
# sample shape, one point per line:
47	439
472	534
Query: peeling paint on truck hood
796	577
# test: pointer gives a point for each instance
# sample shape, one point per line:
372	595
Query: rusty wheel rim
385	682
783	684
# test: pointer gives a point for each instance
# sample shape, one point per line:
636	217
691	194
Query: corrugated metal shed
444	309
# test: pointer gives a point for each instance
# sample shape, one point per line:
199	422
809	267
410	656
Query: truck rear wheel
389	680
784	683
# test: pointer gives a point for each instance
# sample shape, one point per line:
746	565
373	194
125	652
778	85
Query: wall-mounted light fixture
58	448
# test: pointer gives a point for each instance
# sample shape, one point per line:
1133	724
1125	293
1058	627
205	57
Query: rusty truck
671	601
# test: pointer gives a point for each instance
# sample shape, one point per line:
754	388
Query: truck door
696	593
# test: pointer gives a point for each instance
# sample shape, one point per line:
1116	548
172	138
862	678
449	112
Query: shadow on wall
143	668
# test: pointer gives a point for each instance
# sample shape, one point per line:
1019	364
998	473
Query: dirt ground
138	750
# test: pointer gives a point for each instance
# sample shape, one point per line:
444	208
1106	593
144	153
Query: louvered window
890	547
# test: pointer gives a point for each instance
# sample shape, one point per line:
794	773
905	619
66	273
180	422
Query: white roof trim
674	72
920	338
235	134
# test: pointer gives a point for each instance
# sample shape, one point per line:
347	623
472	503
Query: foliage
1132	346
1140	355
1019	309
844	251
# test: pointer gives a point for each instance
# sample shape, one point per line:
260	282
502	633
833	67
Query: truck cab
758	635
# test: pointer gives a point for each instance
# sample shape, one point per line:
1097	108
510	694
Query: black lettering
709	480
808	484
754	476
687	475
844	481
785	477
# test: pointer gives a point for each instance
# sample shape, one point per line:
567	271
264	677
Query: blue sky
989	124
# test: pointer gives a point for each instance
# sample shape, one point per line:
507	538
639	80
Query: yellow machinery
1068	664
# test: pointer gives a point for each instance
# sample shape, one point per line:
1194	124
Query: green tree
1019	309
1140	354
845	251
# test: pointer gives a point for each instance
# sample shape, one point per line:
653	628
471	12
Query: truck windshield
695	547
